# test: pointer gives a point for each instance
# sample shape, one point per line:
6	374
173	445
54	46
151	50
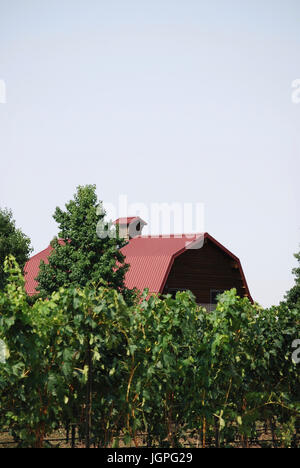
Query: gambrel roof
150	259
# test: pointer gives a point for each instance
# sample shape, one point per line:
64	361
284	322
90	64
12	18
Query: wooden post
217	433
73	436
88	416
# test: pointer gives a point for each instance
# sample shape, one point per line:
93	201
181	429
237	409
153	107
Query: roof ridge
170	236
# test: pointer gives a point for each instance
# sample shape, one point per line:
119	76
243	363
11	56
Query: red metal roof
32	267
150	259
31	270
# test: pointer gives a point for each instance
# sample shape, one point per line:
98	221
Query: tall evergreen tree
81	255
293	295
12	241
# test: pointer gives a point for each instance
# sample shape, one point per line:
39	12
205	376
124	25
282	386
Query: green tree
80	256
12	241
162	366
58	351
293	295
33	379
248	364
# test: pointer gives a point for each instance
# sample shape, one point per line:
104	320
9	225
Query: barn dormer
130	227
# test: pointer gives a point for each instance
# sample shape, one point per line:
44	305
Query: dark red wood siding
201	270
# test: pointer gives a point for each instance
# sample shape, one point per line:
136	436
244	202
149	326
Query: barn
167	264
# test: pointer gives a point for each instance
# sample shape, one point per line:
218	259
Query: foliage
31	381
251	376
12	241
163	366
162	340
80	256
293	295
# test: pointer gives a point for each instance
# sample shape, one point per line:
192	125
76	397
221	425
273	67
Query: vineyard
84	367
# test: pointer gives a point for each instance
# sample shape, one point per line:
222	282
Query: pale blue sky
165	101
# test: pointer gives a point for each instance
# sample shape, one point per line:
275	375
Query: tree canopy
161	366
293	295
80	256
12	242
